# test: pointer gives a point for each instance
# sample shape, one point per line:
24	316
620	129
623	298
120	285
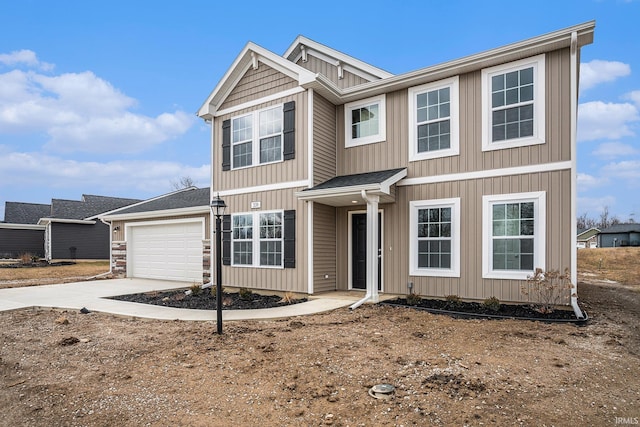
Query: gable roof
303	45
252	54
585	234
25	213
86	208
622	228
347	190
184	201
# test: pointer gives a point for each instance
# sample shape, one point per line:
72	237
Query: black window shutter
226	239
226	145
289	130
290	239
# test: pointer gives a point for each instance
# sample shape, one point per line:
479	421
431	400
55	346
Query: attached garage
167	250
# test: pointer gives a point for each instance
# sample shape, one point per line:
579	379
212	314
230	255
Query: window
433	120
260	233
513	235
513	99
264	126
435	243
365	121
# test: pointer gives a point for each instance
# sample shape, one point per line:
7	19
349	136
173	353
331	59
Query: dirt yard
71	369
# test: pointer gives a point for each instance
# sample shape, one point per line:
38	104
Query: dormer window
365	121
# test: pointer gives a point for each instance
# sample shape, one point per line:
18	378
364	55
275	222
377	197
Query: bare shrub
548	289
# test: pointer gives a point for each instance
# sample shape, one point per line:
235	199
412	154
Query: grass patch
618	264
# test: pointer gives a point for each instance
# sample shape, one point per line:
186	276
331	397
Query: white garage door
170	251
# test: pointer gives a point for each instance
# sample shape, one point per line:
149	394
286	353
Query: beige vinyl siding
394	152
324	140
118	236
285	171
256	84
470	285
330	71
275	279
324	248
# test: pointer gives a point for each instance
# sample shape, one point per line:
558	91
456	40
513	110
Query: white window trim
454	120
539	102
539	233
255	241
382	124
454	204
255	138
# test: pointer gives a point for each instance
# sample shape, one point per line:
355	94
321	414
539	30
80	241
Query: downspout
574	176
372	251
110	244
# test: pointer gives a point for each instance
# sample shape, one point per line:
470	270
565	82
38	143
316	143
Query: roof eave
194	210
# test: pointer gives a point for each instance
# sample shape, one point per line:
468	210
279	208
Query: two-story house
455	179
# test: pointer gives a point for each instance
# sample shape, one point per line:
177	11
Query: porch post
372	247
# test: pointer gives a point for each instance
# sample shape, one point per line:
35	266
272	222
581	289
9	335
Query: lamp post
217	208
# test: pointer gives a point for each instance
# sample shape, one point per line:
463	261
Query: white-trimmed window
258	233
513	104
433	120
265	127
513	235
365	121
435	238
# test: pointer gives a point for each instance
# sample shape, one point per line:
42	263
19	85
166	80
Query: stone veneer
119	260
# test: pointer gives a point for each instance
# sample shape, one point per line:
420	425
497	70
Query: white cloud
24	57
611	150
626	171
598	71
600	120
633	97
81	112
116	177
587	182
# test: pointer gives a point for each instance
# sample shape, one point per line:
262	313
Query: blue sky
100	97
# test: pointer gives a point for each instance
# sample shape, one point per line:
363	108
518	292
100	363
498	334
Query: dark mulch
474	308
205	300
36	264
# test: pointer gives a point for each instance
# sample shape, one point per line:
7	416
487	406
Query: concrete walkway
93	295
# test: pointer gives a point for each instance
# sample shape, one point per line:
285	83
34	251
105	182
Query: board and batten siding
273	173
79	241
118	236
324	248
324	140
273	279
470	284
394	152
330	71
256	84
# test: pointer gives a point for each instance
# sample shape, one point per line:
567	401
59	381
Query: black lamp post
217	208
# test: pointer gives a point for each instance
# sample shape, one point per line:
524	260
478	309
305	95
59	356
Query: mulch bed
205	300
474	309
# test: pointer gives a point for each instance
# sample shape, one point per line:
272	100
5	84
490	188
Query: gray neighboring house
20	232
165	237
619	235
73	230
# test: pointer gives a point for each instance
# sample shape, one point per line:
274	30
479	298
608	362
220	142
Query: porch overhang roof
346	190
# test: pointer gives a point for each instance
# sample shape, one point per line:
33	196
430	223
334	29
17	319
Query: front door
359	251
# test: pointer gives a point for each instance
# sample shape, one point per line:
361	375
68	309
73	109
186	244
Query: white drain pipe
574	179
372	250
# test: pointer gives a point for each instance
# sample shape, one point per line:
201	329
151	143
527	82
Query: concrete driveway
93	295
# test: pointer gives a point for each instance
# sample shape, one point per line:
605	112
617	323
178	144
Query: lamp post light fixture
217	208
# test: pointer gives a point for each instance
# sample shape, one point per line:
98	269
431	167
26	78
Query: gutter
372	255
574	176
102	220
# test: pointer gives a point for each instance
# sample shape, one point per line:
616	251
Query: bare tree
584	222
183	182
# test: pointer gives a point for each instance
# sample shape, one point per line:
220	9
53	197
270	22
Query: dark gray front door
359	251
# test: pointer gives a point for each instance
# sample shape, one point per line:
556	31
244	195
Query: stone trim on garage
119	260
